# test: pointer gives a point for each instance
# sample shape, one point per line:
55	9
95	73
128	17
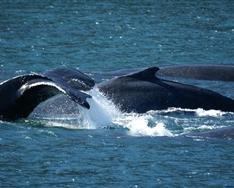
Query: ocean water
63	145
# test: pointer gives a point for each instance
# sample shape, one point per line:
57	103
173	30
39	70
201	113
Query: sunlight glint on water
105	36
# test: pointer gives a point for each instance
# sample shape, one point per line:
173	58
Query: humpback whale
200	72
143	91
136	92
21	94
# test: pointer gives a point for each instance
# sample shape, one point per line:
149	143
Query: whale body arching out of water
136	92
200	72
144	91
216	72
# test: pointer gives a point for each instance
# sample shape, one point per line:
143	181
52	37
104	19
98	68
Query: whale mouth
60	111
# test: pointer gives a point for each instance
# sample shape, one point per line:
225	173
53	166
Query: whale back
72	77
200	72
143	91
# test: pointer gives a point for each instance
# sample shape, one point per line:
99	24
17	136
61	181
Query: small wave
60	124
199	112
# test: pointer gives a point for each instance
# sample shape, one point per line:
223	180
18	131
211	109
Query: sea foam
103	112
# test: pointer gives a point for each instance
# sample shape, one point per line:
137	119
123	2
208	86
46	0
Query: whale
139	92
20	95
143	91
199	72
217	72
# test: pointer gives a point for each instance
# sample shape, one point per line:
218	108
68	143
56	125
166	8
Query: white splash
199	112
139	127
103	112
206	127
212	113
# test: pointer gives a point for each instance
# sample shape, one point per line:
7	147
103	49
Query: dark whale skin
143	91
200	72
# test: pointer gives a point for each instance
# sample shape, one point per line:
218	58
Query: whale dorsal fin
146	74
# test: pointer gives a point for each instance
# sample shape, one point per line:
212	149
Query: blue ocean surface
62	145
